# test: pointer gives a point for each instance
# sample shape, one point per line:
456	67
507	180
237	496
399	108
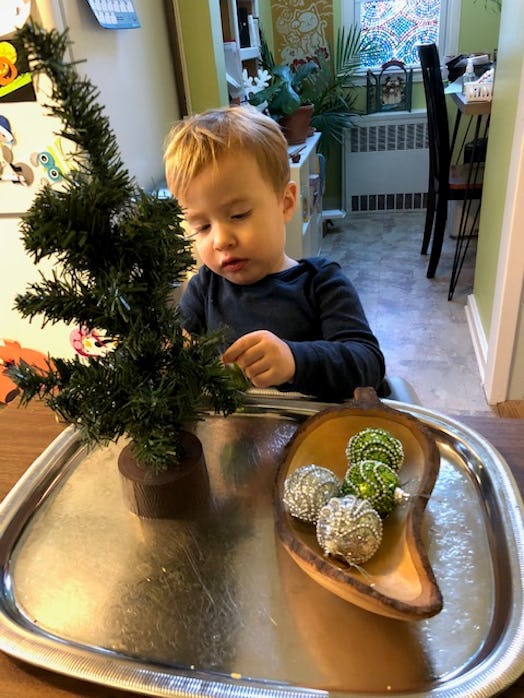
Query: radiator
385	162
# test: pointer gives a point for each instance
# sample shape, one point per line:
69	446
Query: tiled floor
425	337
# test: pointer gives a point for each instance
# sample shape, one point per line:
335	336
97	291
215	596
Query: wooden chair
447	181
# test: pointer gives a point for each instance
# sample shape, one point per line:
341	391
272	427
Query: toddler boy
297	325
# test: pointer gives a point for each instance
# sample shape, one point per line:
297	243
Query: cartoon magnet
6	132
16	172
51	158
8	56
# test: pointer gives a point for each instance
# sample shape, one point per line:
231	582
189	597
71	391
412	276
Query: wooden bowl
398	580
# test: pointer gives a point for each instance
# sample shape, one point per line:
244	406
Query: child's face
237	220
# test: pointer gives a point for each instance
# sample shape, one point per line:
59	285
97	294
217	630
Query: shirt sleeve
192	306
348	355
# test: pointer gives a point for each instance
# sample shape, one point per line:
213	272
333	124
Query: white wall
133	70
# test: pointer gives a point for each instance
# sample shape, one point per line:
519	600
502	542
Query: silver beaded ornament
375	482
375	444
307	489
349	528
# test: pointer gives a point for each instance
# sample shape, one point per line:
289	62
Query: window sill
359	78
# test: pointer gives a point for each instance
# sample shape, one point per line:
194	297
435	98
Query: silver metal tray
215	607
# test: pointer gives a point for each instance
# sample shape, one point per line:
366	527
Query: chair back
438	127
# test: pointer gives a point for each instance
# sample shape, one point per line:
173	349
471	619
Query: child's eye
241	215
198	229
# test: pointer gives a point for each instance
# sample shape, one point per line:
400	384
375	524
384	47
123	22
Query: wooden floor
511	408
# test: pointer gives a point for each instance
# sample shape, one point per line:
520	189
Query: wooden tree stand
173	494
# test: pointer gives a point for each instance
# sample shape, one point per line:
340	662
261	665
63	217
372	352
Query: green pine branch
119	253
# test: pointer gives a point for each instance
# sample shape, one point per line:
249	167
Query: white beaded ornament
307	489
349	528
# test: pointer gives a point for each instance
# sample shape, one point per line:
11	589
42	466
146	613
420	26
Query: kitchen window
396	27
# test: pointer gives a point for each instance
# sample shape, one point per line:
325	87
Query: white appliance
134	72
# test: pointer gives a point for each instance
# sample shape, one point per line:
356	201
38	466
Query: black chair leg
430	216
438	236
461	248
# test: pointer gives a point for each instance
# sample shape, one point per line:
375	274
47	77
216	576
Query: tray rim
497	671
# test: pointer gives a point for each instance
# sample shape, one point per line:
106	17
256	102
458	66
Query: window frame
448	34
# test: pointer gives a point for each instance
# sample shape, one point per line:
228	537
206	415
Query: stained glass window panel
396	27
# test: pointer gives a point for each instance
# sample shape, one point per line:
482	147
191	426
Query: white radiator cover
385	162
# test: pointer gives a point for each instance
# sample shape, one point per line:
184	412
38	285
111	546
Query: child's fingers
231	354
239	347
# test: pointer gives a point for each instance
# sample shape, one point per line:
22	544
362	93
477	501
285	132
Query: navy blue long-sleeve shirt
313	307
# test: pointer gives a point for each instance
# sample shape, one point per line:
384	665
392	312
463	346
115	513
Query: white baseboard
478	336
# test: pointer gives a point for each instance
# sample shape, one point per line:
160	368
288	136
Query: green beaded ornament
375	482
375	444
307	489
349	528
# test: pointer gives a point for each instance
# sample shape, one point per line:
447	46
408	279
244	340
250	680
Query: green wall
477	25
266	22
201	30
508	77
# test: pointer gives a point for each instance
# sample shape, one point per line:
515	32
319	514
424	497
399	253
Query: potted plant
286	97
325	81
120	253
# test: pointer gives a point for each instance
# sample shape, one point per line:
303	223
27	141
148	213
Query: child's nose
223	236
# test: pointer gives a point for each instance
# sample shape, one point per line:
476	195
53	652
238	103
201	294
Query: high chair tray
216	606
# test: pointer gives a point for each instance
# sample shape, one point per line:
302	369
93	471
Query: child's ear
289	200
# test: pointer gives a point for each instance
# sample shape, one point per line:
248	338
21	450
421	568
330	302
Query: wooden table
24	434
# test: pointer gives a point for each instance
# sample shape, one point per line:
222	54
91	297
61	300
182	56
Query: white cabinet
304	230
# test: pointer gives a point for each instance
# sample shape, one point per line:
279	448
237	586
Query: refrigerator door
133	70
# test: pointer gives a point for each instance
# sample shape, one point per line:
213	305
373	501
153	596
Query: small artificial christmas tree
120	253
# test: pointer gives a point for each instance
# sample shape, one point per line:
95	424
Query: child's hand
264	358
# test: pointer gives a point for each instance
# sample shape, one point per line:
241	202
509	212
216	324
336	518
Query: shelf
241	43
249	53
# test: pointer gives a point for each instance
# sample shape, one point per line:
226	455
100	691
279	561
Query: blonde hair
196	142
